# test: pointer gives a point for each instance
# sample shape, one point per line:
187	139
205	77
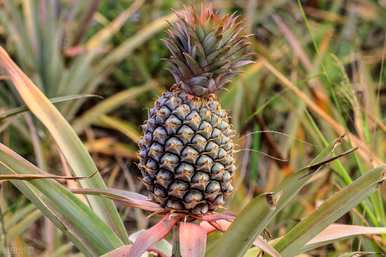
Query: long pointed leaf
248	225
130	199
331	210
336	232
61	206
260	212
108	105
37	176
154	234
67	140
54	100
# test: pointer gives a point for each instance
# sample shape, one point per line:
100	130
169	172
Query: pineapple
186	153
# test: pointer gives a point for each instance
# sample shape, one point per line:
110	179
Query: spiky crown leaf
207	50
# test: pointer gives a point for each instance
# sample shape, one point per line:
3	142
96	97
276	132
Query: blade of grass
331	210
248	225
65	210
131	199
37	176
120	125
23	225
260	211
107	32
54	100
108	105
69	143
336	232
363	149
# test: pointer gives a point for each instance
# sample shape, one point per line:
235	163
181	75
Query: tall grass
317	89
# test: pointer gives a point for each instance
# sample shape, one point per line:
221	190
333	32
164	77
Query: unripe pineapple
186	153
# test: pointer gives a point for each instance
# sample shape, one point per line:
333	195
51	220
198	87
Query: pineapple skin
186	153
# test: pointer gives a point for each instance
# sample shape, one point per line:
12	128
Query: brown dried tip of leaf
269	196
41	176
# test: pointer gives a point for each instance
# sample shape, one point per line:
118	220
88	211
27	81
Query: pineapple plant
186	153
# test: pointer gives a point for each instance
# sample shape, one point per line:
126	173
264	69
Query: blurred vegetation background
319	78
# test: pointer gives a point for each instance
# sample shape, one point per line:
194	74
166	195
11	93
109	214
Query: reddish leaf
339	231
154	234
218	216
128	198
221	225
192	240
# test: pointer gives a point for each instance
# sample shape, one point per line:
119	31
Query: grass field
316	91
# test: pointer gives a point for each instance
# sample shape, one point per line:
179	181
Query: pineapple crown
207	50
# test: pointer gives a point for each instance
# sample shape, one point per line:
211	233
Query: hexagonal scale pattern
186	153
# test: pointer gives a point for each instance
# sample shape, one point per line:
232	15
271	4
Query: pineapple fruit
186	153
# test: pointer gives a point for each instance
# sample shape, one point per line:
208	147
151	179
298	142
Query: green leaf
72	148
126	128
248	225
54	100
66	211
331	210
261	210
108	105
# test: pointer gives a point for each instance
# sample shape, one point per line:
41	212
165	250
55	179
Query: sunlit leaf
85	229
336	232
130	199
38	176
69	143
108	105
154	234
55	100
331	210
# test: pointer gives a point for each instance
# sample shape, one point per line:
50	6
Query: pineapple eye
164	178
162	114
169	161
184	171
160	135
198	142
217	168
155	151
185	133
219	201
200	209
174	145
178	189
205	129
204	163
173	102
205	114
182	111
192	198
213	187
159	191
189	155
193	120
200	180
172	124
174	204
221	154
211	149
